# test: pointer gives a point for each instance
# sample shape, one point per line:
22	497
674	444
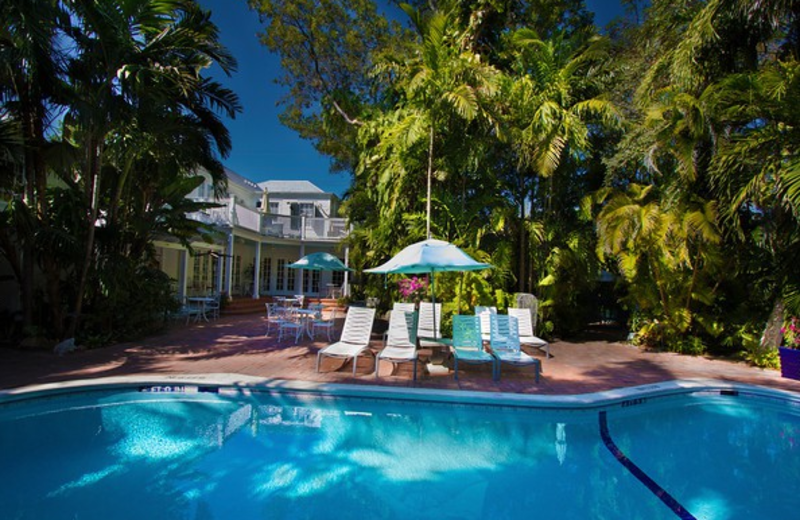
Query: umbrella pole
433	299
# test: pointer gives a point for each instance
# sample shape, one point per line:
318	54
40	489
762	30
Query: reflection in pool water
205	456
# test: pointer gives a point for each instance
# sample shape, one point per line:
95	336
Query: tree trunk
773	337
93	185
430	178
523	259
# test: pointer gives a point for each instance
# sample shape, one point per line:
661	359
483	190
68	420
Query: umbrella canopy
319	262
429	256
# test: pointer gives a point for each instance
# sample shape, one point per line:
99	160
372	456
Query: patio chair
430	321
275	316
189	311
485	314
404	306
526	336
292	324
355	336
505	345
468	344
324	325
400	344
213	306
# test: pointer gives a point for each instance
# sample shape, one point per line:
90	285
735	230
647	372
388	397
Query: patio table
203	302
307	315
430	343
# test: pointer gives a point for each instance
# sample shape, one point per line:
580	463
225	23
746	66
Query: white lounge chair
404	306
526	332
400	344
505	345
485	314
468	345
430	322
355	336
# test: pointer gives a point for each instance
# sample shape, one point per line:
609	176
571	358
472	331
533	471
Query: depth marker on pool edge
637	472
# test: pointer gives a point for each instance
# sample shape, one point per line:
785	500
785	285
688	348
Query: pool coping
231	384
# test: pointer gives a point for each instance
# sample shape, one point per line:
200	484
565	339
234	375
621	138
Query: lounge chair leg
537	367
377	366
318	356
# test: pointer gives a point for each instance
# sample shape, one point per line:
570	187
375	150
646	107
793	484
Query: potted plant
789	353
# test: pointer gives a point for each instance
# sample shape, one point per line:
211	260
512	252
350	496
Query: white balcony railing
271	225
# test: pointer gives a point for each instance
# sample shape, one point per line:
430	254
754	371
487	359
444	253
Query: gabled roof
289	187
241	181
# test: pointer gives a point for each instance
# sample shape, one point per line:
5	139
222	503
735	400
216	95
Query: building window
214	273
306	209
237	272
274	207
280	279
338	278
266	273
290	280
311	281
195	283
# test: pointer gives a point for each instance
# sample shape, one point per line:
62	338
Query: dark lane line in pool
637	472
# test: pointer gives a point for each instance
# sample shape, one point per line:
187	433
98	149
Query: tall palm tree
30	71
128	56
551	103
441	86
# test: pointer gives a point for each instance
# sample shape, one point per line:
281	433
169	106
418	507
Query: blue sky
263	149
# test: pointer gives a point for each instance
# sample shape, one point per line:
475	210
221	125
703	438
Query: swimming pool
210	452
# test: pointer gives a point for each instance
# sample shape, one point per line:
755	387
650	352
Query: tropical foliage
106	116
662	155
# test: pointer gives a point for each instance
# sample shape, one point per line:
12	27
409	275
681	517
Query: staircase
245	305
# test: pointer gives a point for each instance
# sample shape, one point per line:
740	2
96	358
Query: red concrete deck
237	344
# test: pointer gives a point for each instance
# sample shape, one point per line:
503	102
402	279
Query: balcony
275	226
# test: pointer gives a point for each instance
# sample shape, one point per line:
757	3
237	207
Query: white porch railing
271	225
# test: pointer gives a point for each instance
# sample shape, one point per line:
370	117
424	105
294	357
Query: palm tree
442	86
551	103
129	56
669	252
29	89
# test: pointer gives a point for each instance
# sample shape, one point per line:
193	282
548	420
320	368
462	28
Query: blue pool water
202	456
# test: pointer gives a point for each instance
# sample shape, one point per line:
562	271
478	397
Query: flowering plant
412	289
791	333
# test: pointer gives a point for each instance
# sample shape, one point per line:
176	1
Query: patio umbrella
319	262
429	256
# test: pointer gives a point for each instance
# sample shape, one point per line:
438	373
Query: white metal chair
355	337
292	324
320	324
275	316
468	344
213	306
400	344
505	345
526	331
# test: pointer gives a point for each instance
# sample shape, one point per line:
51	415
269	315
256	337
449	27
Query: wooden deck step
243	305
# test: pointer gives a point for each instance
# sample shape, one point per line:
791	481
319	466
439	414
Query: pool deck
237	345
